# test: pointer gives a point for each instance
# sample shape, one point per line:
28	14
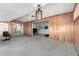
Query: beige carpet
36	46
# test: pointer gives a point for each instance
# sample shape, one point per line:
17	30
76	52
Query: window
3	27
17	29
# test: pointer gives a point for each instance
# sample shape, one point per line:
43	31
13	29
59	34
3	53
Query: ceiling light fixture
38	12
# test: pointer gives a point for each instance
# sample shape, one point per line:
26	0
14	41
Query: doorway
40	29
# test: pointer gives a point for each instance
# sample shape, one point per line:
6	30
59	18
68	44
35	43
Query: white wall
34	26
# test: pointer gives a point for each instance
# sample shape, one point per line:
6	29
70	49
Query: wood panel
76	27
61	27
28	28
76	34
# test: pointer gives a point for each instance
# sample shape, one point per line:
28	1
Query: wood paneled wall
61	27
76	32
76	36
28	28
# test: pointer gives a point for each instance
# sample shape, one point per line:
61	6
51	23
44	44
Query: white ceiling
24	11
10	11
